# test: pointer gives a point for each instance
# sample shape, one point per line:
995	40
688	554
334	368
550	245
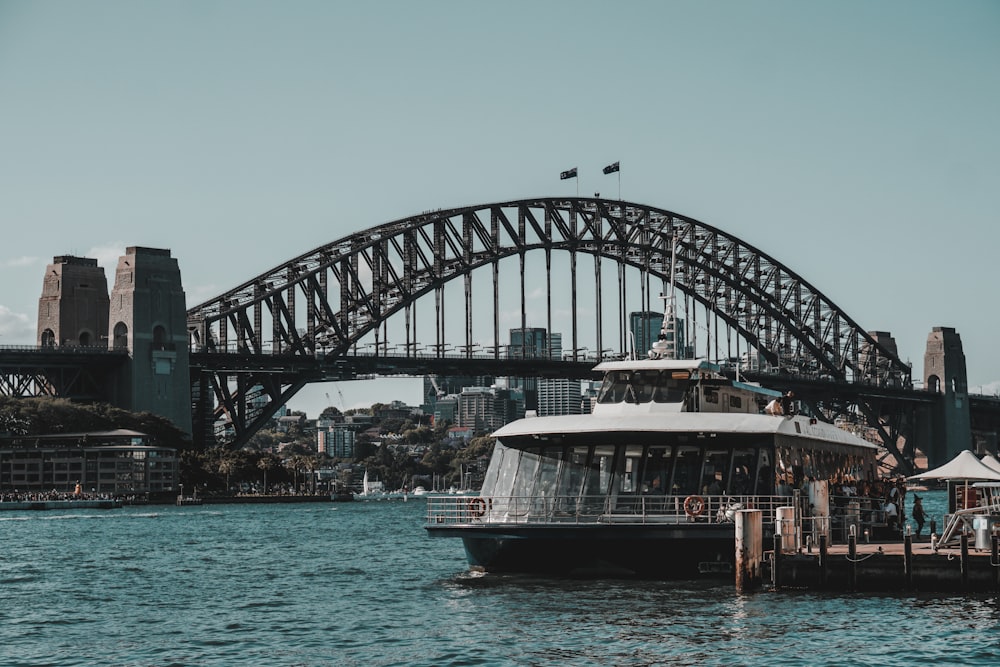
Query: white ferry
648	484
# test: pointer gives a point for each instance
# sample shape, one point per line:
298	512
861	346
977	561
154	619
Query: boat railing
620	509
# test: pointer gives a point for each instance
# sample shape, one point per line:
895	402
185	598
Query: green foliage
47	416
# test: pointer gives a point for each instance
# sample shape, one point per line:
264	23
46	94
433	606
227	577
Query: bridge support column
148	316
950	430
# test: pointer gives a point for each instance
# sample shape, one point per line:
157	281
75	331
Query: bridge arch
351	286
342	295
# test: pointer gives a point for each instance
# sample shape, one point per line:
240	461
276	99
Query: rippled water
361	584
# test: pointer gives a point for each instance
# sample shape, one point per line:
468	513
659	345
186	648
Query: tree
226	466
267	461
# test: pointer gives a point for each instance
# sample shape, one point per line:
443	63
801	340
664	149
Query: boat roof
658	364
683	422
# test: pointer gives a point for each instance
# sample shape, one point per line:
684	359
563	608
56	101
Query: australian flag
611	168
569	173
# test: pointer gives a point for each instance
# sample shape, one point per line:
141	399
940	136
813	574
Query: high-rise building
646	326
559	397
486	409
337	440
529	343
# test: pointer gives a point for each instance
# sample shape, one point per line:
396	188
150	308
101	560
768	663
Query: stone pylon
148	317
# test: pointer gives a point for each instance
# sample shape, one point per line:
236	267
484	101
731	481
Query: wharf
907	565
59	504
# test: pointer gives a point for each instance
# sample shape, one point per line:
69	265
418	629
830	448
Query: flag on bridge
569	173
611	168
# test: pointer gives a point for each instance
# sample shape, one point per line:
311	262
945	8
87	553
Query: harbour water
361	584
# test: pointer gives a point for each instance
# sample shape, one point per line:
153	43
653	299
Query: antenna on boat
666	345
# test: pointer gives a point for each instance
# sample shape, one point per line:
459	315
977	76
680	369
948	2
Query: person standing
918	513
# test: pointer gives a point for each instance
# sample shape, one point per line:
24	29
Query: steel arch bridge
592	259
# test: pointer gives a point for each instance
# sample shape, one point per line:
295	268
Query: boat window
656	470
548	469
686	474
629	476
643	386
614	387
744	466
672	386
506	460
599	474
716	472
525	476
573	472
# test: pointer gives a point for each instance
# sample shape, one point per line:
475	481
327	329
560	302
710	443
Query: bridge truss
577	265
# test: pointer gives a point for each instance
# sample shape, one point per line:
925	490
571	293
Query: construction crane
343	406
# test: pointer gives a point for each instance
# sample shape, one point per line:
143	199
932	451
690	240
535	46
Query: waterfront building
117	463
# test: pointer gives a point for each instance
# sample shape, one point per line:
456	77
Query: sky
855	142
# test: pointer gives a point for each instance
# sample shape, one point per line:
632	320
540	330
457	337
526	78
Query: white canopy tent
991	461
965	467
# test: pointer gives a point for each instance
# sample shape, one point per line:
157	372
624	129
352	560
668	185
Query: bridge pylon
947	429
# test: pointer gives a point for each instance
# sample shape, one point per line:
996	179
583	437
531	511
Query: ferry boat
648	484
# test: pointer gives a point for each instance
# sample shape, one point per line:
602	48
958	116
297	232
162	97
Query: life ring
694	506
477	507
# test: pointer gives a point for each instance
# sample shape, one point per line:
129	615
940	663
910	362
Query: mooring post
908	558
749	549
776	562
852	555
822	560
995	560
964	561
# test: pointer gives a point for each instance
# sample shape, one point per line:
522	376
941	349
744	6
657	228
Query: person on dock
891	514
918	514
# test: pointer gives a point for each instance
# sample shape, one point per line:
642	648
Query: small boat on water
649	484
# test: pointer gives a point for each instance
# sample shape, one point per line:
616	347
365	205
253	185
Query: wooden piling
995	560
776	562
964	561
823	561
749	549
852	556
908	561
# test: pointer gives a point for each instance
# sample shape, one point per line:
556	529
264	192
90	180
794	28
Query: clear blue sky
856	142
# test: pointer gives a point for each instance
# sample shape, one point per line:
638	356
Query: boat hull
641	551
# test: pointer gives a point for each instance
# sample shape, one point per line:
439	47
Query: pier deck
889	566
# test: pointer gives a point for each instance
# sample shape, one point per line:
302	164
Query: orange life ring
694	506
477	507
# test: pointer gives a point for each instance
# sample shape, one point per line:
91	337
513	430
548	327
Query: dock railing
621	509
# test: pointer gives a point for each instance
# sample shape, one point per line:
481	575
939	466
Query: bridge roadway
88	374
82	372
